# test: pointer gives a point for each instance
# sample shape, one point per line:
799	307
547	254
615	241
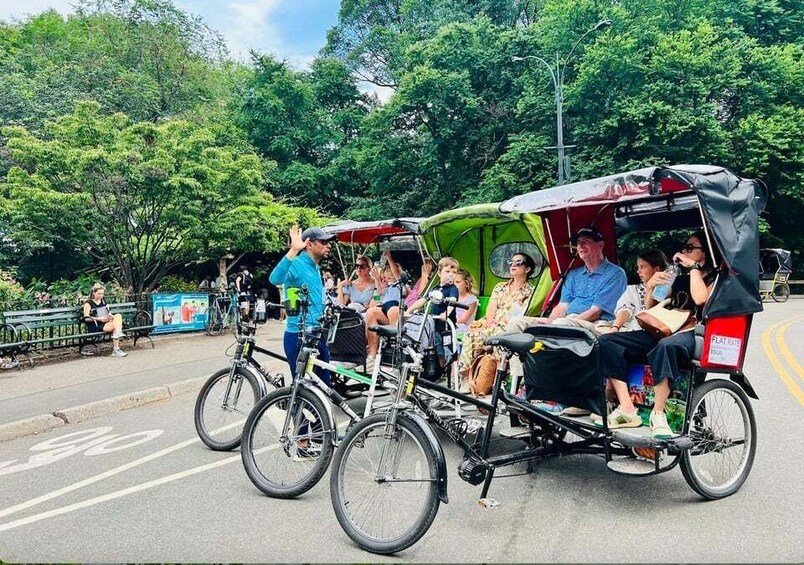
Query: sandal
13	364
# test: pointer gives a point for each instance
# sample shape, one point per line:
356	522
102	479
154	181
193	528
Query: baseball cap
314	234
589	232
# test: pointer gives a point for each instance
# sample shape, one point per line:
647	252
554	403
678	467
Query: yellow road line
792	361
789	382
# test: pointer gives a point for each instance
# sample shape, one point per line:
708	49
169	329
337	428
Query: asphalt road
139	486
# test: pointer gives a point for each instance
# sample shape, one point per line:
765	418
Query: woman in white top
466	295
633	299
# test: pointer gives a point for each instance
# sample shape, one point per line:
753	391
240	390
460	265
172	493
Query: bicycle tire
246	400
424	495
714	437
781	292
298	468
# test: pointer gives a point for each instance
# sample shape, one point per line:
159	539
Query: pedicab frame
656	198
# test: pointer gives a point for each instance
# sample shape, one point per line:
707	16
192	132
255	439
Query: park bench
27	331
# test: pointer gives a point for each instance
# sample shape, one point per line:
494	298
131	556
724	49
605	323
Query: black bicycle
227	398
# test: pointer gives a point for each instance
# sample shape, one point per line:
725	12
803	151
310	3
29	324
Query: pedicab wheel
723	430
222	406
385	510
781	292
285	463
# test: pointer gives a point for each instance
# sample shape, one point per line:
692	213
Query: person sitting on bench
99	319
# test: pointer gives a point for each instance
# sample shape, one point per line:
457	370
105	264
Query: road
138	486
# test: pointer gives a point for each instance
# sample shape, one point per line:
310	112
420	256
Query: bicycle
222	403
290	435
223	313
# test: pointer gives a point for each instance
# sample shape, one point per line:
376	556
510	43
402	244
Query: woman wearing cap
99	319
299	267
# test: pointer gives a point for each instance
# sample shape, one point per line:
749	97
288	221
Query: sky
291	30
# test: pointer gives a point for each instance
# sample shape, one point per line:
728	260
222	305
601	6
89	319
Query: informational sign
180	312
725	350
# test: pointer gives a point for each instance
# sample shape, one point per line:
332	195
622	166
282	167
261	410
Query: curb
46	422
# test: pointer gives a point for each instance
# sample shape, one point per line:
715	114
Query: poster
180	312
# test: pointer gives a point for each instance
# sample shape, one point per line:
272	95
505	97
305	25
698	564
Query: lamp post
557	74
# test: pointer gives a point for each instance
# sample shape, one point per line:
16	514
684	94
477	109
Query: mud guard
742	380
440	460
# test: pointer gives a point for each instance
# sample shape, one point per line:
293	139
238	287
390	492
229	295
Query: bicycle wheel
219	416
214	321
723	431
285	464
385	510
781	292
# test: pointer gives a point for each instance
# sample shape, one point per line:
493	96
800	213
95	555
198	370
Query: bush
172	283
12	294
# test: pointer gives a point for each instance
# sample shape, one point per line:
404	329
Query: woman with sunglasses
689	292
358	292
508	299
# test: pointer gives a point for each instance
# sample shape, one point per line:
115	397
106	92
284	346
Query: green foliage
172	283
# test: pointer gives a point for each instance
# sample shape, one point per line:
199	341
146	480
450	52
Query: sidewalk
54	394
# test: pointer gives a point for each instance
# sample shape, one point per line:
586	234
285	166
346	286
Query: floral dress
509	305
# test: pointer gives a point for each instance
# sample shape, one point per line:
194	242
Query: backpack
230	281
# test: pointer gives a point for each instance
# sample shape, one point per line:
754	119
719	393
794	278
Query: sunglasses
362	266
322	242
515	262
690	247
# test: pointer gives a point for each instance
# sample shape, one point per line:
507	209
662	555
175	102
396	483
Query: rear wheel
781	292
723	431
385	504
223	405
284	463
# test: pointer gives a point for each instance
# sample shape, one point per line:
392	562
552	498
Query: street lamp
557	75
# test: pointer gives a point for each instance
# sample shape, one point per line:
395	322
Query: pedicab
393	464
775	267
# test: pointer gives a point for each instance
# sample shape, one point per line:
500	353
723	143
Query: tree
139	197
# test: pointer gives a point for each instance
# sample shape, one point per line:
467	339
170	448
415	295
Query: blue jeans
293	345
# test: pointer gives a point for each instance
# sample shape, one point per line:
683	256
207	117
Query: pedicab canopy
775	260
482	239
661	198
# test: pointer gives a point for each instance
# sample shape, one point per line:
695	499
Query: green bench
26	331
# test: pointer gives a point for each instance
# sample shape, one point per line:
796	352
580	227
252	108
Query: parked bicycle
290	435
227	398
223	313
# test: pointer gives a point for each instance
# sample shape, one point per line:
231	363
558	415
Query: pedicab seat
385	331
565	368
517	342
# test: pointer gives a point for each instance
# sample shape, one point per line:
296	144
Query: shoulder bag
661	321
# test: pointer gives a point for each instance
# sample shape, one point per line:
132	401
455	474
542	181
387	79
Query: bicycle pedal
488	503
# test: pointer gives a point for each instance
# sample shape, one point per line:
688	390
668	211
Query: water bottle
661	291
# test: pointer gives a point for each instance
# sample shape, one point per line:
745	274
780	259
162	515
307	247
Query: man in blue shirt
299	267
589	294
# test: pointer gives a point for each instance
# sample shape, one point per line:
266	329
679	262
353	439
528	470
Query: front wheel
781	292
723	431
286	448
384	487
223	404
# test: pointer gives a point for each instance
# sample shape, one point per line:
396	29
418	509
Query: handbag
482	373
661	321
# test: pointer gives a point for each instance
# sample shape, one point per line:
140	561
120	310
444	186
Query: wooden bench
27	331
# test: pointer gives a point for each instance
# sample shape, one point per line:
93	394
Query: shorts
386	306
247	299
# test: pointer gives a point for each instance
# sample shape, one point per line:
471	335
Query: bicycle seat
385	331
518	342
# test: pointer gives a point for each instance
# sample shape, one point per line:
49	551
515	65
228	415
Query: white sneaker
119	353
117	334
370	364
659	426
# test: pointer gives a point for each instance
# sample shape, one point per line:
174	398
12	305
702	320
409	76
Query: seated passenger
466	296
688	292
383	311
508	300
357	293
447	271
98	318
589	294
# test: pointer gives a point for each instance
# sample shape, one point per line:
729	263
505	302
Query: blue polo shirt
602	288
295	273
